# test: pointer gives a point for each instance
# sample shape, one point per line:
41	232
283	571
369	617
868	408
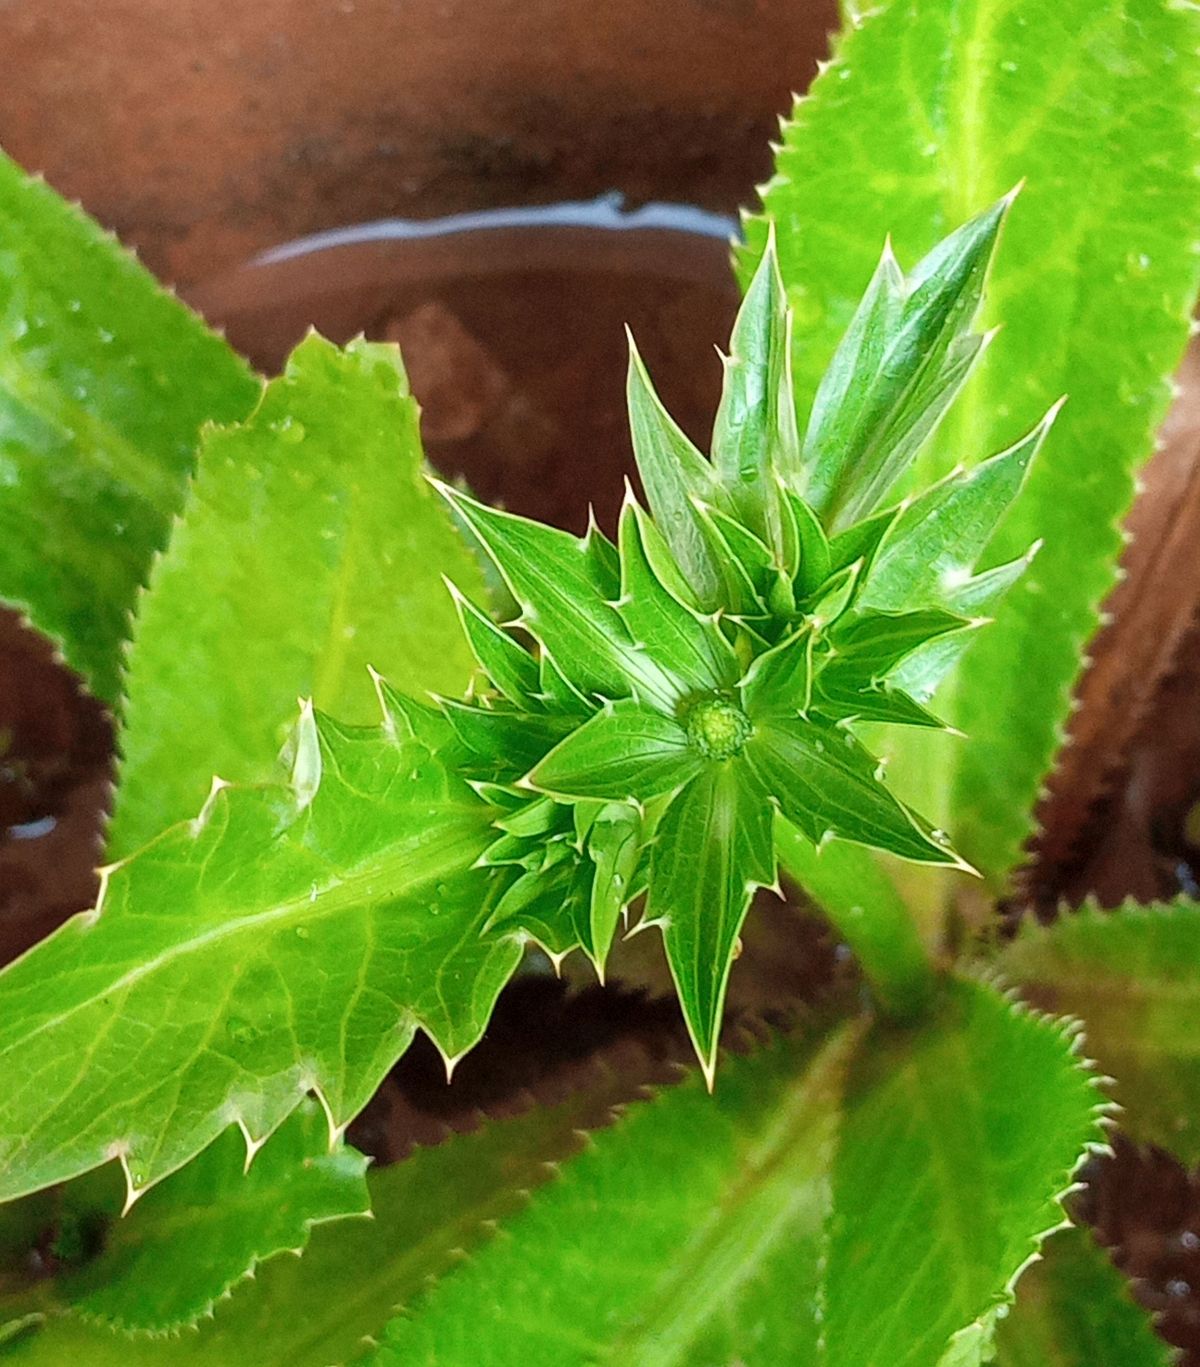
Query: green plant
659	722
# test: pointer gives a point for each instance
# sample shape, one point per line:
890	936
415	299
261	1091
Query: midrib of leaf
390	875
776	1196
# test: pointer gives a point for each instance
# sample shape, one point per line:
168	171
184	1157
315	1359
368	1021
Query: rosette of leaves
660	702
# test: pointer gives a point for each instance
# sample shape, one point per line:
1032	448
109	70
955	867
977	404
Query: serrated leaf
289	940
1131	977
779	681
624	751
311	548
847	698
714	846
826	785
674	475
197	1234
325	1307
867	154
857	1203
105	382
1074	1309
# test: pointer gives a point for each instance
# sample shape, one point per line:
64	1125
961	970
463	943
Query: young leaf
906	355
700	657
1074	1309
105	381
826	785
288	940
714	847
674	475
1131	976
864	1201
326	1306
867	154
755	443
509	667
185	1246
310	548
564	603
624	751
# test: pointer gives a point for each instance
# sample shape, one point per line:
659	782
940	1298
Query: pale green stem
868	913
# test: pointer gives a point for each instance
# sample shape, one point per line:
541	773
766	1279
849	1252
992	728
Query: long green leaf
1133	977
105	382
1074	1309
185	1246
931	110
311	548
326	1306
291	939
863	1203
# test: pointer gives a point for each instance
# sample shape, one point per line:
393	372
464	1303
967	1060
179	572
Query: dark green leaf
624	751
755	442
687	646
714	846
825	784
790	1219
507	664
191	1239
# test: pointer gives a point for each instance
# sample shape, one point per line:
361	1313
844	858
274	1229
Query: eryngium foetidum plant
658	704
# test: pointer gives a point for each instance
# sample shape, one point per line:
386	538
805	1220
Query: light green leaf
190	1240
105	381
825	784
858	1203
311	548
674	475
906	355
624	751
289	940
714	846
1133	978
324	1307
1074	1309
931	110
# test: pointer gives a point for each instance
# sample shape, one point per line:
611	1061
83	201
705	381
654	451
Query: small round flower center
717	727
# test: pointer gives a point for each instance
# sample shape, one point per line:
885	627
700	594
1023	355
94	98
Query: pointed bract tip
708	1066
